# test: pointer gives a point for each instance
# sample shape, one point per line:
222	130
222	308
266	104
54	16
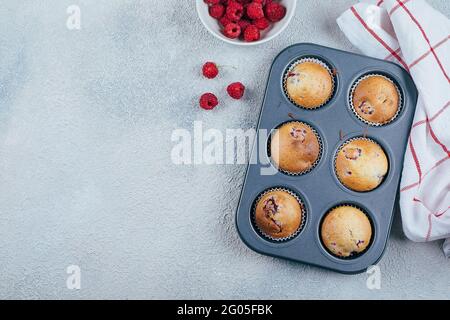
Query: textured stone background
85	171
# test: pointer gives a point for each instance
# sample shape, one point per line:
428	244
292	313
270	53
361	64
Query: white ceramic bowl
274	30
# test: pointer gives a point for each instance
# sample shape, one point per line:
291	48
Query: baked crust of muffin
278	214
361	165
294	147
309	84
346	231
376	99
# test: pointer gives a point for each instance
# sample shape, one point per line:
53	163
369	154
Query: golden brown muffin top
361	165
278	214
294	147
309	84
346	230
376	99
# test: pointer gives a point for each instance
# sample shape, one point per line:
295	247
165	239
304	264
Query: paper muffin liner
314	164
353	109
354	255
302	222
314	60
339	150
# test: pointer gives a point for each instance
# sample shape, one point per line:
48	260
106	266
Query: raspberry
275	11
216	11
236	90
244	24
232	30
208	101
244	1
224	21
234	11
211	2
255	10
251	33
261	23
210	70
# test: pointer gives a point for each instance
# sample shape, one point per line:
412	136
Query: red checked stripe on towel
397	55
416	22
378	38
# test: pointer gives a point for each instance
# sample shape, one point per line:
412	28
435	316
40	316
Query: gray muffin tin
320	189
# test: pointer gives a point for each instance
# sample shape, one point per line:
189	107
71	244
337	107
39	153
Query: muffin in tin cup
309	83
346	231
375	99
278	214
295	147
361	164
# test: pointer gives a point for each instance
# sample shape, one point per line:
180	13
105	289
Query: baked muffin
309	84
361	165
376	99
294	147
346	231
278	214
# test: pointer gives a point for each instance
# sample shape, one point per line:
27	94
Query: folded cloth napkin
416	36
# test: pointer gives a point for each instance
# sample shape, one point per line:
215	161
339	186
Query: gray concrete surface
85	172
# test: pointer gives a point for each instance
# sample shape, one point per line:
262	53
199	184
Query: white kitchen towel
416	36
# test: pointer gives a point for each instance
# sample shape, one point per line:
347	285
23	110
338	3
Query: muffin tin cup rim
353	109
313	59
302	222
346	142
313	165
352	256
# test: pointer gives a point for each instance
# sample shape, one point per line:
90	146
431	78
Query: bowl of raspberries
246	22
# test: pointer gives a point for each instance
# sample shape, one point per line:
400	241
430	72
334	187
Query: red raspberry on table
261	23
216	11
255	10
244	24
275	11
232	30
236	90
210	70
208	101
234	11
251	33
212	2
